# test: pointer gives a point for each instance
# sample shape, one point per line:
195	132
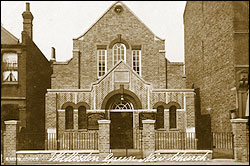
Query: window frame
16	68
105	58
125	53
139	61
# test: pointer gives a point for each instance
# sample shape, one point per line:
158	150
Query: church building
118	72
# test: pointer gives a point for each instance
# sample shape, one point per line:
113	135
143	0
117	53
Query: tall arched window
119	52
172	117
69	119
160	117
82	118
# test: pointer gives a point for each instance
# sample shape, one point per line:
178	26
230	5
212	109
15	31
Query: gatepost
103	138
10	142
240	128
148	137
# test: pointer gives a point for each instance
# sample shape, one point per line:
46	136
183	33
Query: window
119	52
69	123
102	62
172	116
160	117
136	64
10	67
82	118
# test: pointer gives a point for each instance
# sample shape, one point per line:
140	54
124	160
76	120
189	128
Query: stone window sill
10	83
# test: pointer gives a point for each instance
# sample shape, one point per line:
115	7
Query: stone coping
55	151
182	151
238	120
148	121
104	121
11	122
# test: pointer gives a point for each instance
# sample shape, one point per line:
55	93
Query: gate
222	145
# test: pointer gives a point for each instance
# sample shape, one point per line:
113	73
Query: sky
56	23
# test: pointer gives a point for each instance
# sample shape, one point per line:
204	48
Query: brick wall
241	29
175	75
38	75
103	32
209	57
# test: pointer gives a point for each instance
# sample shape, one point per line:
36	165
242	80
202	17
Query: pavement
211	162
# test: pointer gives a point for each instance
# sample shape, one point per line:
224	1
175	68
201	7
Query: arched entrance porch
119	106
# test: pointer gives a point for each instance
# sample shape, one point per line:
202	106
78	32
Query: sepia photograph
125	83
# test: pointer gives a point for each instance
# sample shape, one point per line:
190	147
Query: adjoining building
118	72
25	78
217	62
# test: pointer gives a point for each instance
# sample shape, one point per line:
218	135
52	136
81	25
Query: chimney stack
27	21
53	55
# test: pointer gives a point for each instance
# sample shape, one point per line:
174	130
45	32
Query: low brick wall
185	155
38	157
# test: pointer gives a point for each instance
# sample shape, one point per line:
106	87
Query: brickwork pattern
190	111
103	32
175	73
10	142
139	88
212	49
148	134
50	120
241	147
168	97
104	138
61	121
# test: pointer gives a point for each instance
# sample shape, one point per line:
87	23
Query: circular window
118	9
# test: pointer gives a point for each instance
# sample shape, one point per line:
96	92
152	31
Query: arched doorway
121	116
119	109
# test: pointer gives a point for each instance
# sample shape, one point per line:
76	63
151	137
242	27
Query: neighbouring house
25	79
217	63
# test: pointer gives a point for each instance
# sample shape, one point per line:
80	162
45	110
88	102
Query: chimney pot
53	54
27	6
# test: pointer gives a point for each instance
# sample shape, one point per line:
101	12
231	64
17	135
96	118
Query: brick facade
216	42
34	72
76	81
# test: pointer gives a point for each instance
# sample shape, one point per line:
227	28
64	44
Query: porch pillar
103	139
148	137
241	137
10	142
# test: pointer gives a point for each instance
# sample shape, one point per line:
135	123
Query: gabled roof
115	67
156	37
7	37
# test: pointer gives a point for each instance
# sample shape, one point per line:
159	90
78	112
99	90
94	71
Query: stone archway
127	94
119	106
